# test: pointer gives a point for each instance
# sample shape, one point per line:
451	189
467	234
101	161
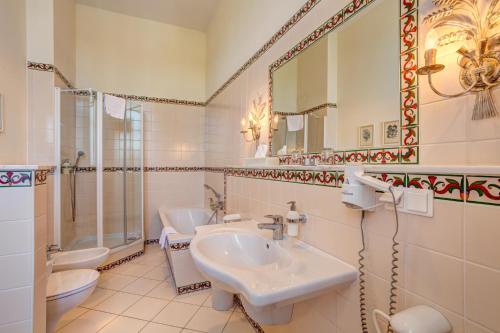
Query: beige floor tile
146	308
238	324
89	322
141	286
159	273
118	303
70	316
98	296
208	302
164	290
209	320
160	328
176	314
114	281
189	331
196	298
132	269
124	325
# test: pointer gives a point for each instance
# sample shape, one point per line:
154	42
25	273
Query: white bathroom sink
79	259
243	250
238	258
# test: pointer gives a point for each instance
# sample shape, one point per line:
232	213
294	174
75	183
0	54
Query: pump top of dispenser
292	216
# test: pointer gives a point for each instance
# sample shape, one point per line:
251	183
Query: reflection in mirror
342	92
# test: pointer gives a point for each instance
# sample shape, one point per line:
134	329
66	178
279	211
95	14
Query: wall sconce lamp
479	58
253	124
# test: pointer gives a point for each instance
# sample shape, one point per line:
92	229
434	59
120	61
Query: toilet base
57	308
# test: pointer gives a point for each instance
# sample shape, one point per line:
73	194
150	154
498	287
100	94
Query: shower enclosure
99	181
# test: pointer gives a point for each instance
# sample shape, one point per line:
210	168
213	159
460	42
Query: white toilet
66	290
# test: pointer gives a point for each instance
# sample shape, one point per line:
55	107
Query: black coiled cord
394	271
362	288
395	259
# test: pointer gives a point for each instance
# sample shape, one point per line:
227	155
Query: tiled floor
139	296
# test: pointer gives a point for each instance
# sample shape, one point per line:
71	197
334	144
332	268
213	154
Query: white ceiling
192	14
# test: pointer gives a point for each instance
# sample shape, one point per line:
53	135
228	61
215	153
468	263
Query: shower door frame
99	136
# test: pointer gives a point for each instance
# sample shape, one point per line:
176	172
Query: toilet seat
66	283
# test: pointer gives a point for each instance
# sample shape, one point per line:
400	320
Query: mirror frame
408	150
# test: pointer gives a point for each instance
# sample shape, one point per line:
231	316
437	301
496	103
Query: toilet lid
61	284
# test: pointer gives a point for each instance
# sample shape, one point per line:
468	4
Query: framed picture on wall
1	114
365	136
390	132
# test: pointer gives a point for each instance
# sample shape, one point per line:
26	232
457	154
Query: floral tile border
408	152
16	178
445	187
399	155
461	188
483	190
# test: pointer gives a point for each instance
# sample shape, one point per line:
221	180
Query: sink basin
269	275
243	250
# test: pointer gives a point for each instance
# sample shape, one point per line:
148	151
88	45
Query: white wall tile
17	271
20	305
16	237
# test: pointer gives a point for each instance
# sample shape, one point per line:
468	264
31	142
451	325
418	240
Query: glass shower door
133	160
122	177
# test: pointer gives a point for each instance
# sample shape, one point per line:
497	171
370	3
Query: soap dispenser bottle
292	219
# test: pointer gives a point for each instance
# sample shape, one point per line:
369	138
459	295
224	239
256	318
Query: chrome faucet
277	226
53	248
215	205
218	203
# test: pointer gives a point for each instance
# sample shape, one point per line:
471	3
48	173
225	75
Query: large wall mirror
341	91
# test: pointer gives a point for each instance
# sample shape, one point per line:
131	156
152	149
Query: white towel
295	123
114	106
164	236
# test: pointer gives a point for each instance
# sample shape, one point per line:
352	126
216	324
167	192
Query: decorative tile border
16	178
311	110
252	322
173	169
120	261
460	188
445	187
41	177
37	66
160	100
407	153
151	241
179	246
190	288
483	190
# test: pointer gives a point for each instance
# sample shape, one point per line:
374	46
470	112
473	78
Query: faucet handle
277	219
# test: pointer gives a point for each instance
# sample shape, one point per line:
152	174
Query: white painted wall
124	54
13	139
233	22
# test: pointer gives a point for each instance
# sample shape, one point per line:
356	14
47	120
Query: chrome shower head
78	156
